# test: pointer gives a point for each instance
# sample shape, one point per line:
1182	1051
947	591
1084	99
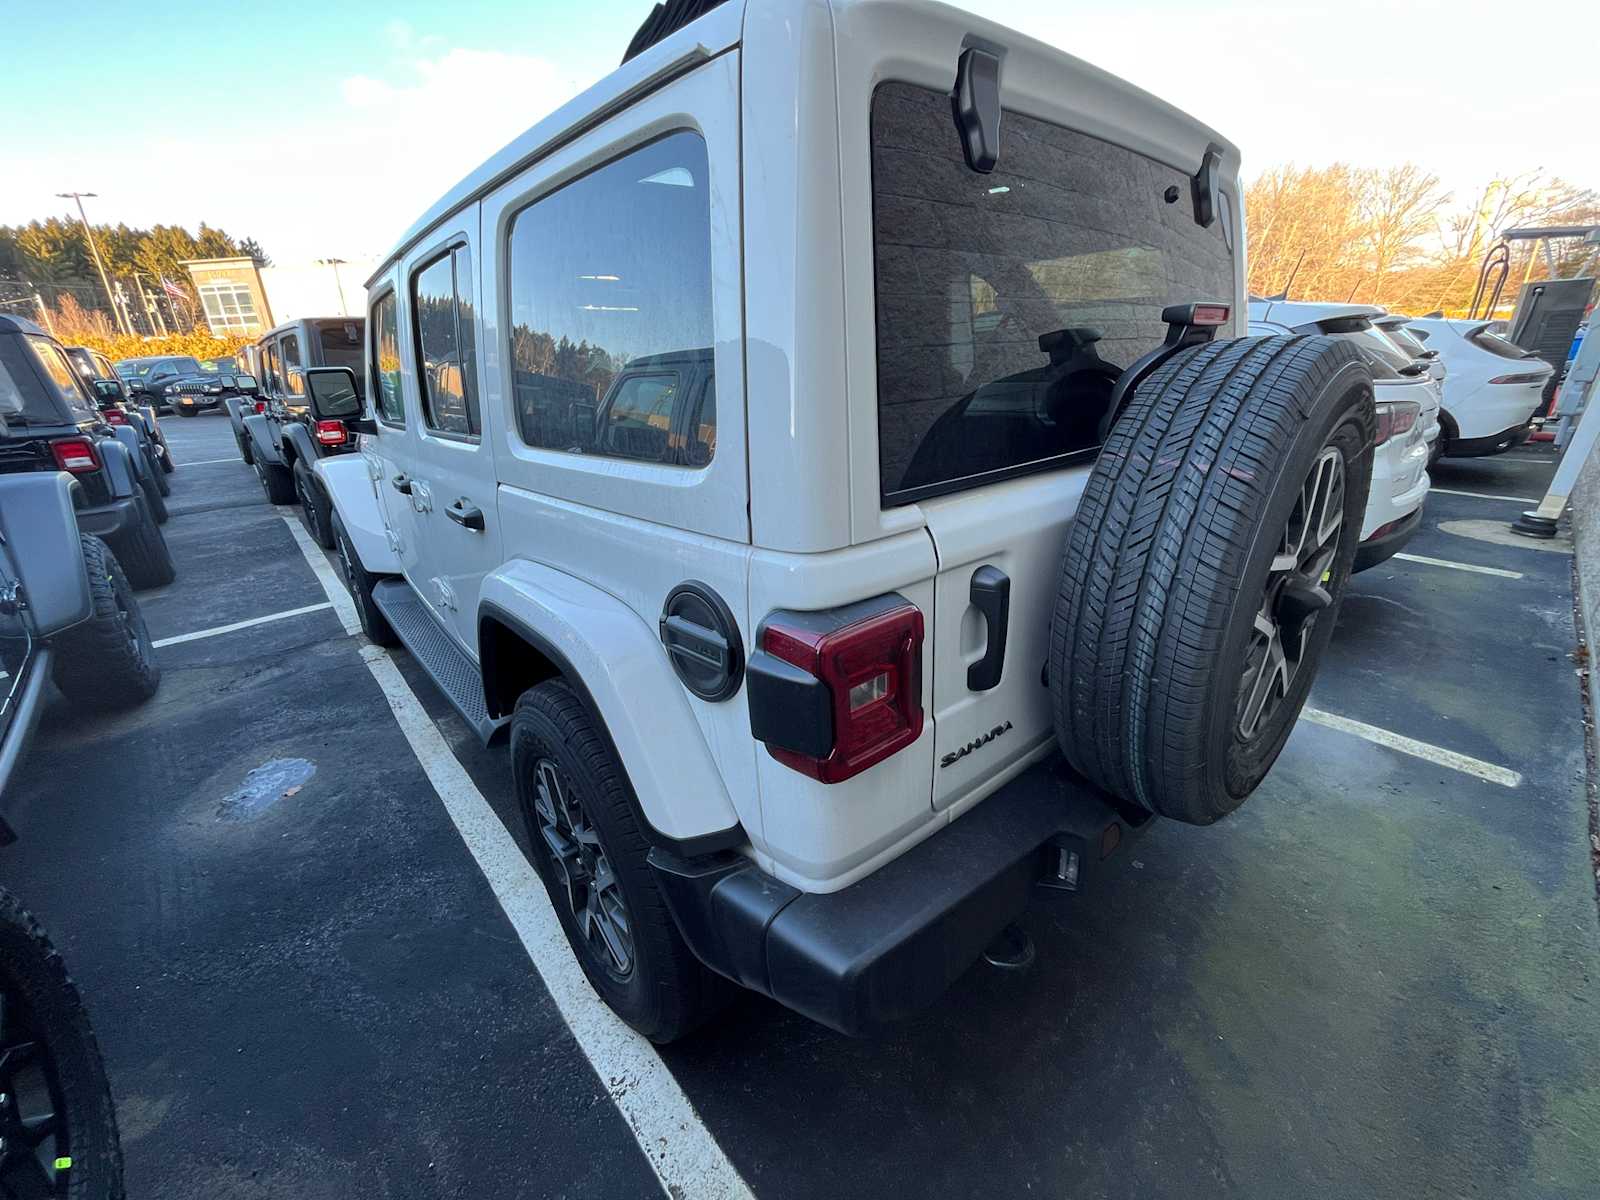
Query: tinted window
269	366
340	343
611	327
1495	344
1385	358
1008	303
1405	339
441	301
385	368
293	380
62	379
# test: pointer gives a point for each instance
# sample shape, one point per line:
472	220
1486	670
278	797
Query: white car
1408	415
1492	390
1394	327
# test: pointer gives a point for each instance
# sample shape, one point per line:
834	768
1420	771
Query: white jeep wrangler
813	442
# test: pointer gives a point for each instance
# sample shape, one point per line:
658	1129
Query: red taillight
115	416
872	671
1394	418
1532	377
1210	314
331	433
261	406
75	455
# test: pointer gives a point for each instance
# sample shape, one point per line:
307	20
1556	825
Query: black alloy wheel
583	870
1296	593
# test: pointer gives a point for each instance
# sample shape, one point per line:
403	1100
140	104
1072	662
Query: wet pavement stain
264	786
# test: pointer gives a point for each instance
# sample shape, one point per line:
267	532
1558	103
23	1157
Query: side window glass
611	331
294	376
442	303
62	377
385	366
269	367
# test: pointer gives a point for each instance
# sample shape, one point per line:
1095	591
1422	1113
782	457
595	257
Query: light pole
94	249
344	309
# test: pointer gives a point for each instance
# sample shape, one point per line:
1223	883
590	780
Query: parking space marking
680	1149
332	585
1460	566
1464	763
215	630
1485	496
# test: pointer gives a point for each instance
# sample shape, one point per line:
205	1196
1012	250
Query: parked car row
182	384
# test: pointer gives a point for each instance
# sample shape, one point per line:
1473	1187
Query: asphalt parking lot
1379	978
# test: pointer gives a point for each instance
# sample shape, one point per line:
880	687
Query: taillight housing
115	416
833	693
1396	417
75	455
332	433
261	406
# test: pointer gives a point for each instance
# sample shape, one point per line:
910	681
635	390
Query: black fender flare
297	443
235	406
121	471
257	428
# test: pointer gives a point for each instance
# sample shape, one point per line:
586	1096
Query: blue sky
323	129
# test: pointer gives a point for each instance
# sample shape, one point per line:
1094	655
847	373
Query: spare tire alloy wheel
1204	569
1296	594
583	869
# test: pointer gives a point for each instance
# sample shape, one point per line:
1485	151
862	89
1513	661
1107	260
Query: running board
437	653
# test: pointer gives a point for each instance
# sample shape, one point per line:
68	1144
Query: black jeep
285	436
111	395
180	383
49	421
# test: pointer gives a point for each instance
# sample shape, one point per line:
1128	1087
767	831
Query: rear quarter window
1008	303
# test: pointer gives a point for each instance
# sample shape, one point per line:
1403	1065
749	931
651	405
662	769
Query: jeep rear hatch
1007	305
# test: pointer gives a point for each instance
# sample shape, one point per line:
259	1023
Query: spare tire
1196	596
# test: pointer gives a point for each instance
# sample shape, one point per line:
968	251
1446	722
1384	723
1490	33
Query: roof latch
1204	186
976	104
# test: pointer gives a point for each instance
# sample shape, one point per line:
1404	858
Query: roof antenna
1289	282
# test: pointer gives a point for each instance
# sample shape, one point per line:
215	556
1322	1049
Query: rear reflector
1210	314
115	416
261	406
331	433
76	455
866	676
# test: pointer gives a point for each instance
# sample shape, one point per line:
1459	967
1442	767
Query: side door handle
465	513
991	595
402	483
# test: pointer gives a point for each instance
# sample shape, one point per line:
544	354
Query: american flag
172	289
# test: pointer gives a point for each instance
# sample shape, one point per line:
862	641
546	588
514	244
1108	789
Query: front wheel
276	482
360	582
156	473
245	452
315	513
1205	567
590	852
143	552
58	1128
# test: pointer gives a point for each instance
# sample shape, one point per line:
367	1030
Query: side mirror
110	390
332	391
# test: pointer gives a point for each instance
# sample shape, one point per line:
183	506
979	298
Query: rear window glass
1495	344
341	347
1008	303
1385	358
1405	339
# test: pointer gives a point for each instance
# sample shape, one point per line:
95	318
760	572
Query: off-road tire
360	581
276	482
317	519
668	992
1168	562
143	553
245	452
153	462
153	497
35	980
108	661
187	412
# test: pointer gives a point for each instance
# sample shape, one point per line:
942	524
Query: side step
444	661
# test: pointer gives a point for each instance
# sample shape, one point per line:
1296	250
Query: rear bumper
1495	443
884	947
1387	541
109	521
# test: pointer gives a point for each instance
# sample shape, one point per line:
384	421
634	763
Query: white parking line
1484	496
253	621
680	1149
1464	763
1460	566
332	585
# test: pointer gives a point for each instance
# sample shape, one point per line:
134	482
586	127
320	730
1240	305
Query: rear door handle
402	484
465	513
991	595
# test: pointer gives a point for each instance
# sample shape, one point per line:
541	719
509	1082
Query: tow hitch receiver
1073	855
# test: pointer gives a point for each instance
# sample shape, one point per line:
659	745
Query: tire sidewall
1238	766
